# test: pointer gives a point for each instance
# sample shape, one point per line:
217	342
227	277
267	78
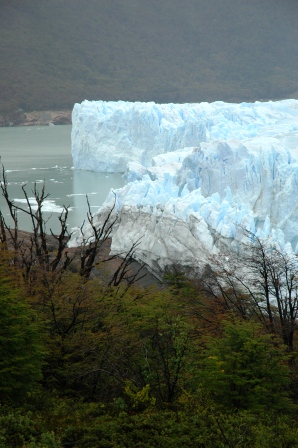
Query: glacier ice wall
107	135
198	175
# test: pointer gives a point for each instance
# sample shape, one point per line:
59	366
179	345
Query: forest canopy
57	53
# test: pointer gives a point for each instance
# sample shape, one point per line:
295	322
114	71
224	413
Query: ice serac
107	135
198	175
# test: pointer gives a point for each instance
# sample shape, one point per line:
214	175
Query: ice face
140	131
132	131
200	176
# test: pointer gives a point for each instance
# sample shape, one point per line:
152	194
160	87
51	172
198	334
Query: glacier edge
200	177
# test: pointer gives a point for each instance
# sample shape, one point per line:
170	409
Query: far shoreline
36	118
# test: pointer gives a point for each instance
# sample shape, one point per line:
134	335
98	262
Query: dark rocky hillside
55	53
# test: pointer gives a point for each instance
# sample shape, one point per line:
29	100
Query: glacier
201	178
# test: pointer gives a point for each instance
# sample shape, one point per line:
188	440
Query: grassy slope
54	53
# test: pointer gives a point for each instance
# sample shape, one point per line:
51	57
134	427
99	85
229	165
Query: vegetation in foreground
90	362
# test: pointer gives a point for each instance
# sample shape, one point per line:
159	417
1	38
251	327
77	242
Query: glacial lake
40	154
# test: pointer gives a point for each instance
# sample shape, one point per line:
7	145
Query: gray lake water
40	154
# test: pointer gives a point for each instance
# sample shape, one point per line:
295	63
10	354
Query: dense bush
21	348
86	362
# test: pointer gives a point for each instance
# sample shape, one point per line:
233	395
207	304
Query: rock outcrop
36	118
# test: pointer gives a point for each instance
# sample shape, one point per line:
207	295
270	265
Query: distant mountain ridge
55	53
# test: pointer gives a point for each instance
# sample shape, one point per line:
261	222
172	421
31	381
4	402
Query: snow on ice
198	175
